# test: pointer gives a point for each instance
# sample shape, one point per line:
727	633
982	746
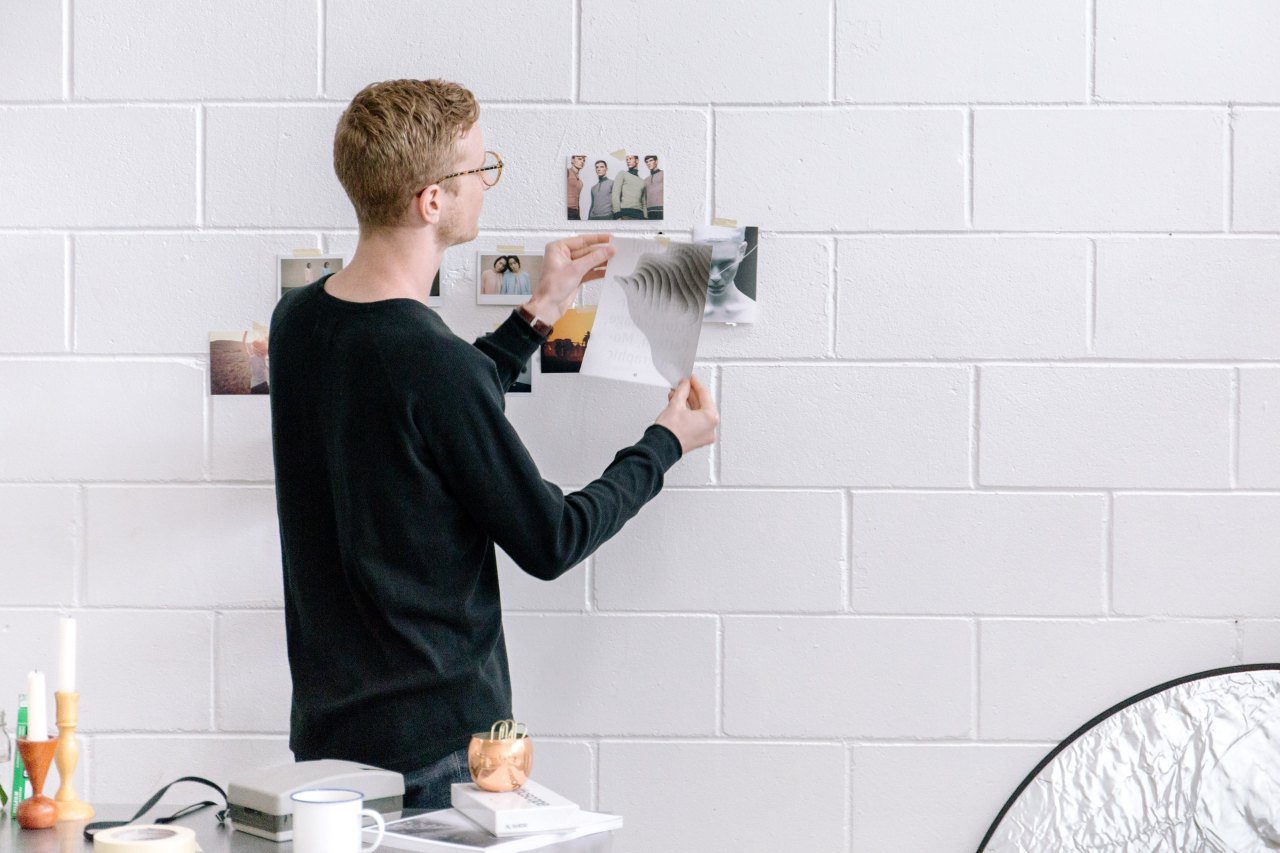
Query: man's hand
566	264
691	414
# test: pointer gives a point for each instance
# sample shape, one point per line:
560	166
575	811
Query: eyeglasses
492	163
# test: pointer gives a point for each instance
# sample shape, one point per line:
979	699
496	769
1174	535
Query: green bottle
19	772
4	756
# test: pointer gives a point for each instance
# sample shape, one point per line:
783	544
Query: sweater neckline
331	301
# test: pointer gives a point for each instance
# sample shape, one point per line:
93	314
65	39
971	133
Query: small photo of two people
620	185
507	279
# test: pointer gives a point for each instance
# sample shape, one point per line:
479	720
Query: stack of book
529	818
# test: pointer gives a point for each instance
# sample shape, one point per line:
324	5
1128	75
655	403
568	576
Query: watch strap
529	317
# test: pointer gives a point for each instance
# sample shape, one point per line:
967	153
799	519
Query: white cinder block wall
1002	451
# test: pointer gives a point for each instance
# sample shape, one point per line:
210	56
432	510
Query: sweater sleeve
510	347
545	531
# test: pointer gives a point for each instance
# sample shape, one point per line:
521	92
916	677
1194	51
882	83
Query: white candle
66	655
37	707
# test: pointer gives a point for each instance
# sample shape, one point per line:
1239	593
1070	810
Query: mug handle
382	829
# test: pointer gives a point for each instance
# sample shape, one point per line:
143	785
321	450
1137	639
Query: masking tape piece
306	253
620	154
145	838
509	250
727	223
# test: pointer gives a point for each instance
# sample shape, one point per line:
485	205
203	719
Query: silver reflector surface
1191	766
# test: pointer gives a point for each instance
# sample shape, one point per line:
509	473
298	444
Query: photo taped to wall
731	291
623	184
564	348
238	361
507	279
293	271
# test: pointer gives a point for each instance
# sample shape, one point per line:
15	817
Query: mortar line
1229	173
832	57
575	48
773	615
201	132
1102	363
809	488
806	106
711	162
68	46
498	232
322	23
593	746
1091	49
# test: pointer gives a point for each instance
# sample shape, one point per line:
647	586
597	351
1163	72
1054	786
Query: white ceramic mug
328	820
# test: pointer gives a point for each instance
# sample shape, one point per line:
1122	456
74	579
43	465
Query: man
396	468
628	191
574	185
653	188
601	193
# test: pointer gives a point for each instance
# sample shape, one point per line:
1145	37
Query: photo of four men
625	195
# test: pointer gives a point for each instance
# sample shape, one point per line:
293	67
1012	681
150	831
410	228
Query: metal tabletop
68	837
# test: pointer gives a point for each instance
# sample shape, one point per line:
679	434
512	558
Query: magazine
449	830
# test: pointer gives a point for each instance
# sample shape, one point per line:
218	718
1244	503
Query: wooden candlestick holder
37	811
67	803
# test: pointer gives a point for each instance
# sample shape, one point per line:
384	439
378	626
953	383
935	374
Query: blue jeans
428	787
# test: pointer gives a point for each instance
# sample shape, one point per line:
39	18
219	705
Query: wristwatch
529	317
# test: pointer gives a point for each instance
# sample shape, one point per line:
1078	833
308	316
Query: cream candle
37	707
67	655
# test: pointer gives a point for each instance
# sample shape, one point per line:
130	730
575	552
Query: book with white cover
529	808
447	831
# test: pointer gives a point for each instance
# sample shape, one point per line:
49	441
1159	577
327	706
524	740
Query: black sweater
396	472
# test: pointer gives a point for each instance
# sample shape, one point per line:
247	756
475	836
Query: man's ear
426	204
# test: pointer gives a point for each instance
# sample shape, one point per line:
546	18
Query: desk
69	837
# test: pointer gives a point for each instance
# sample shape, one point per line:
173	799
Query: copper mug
502	759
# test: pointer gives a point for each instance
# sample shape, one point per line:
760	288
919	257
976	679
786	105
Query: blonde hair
395	138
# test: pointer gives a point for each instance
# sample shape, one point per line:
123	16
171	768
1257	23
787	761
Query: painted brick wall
1003	450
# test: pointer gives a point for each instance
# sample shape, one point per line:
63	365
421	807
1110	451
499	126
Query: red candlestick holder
38	811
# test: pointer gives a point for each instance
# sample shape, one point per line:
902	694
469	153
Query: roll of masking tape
145	838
